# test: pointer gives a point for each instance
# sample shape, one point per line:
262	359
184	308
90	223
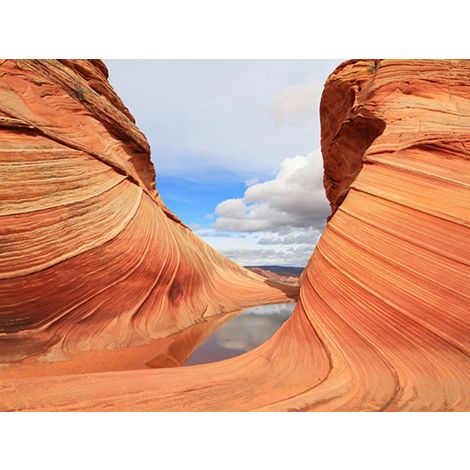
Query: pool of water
241	334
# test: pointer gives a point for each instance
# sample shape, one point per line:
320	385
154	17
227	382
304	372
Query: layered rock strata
91	259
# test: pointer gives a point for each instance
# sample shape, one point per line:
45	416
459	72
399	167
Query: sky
236	147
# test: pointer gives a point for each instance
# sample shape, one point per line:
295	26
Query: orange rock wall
91	259
389	282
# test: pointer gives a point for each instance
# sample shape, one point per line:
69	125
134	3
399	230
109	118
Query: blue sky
235	145
195	199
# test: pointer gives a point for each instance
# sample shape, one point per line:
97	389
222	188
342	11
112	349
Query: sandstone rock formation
91	259
383	320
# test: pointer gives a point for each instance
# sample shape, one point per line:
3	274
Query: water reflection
246	331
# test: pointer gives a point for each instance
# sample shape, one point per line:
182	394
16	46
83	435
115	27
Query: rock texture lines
91	259
97	275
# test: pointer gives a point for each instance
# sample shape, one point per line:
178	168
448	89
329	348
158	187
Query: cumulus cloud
294	198
296	104
282	218
287	248
308	236
292	256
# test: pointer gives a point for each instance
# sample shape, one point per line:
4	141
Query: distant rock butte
278	273
98	279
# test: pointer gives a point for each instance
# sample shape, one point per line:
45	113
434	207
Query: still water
241	334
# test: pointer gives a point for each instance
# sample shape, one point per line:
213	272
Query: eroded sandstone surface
93	264
94	269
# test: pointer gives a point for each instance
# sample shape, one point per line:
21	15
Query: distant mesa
285	274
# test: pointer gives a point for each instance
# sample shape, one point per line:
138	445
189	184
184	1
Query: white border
392	441
234	29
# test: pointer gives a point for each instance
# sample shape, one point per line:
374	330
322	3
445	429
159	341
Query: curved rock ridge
91	259
383	319
388	285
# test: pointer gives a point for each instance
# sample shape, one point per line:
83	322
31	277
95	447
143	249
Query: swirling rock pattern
383	319
91	259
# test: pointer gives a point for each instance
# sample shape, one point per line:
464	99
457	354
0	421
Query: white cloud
282	218
294	198
242	118
225	114
286	247
251	182
292	256
296	104
308	236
